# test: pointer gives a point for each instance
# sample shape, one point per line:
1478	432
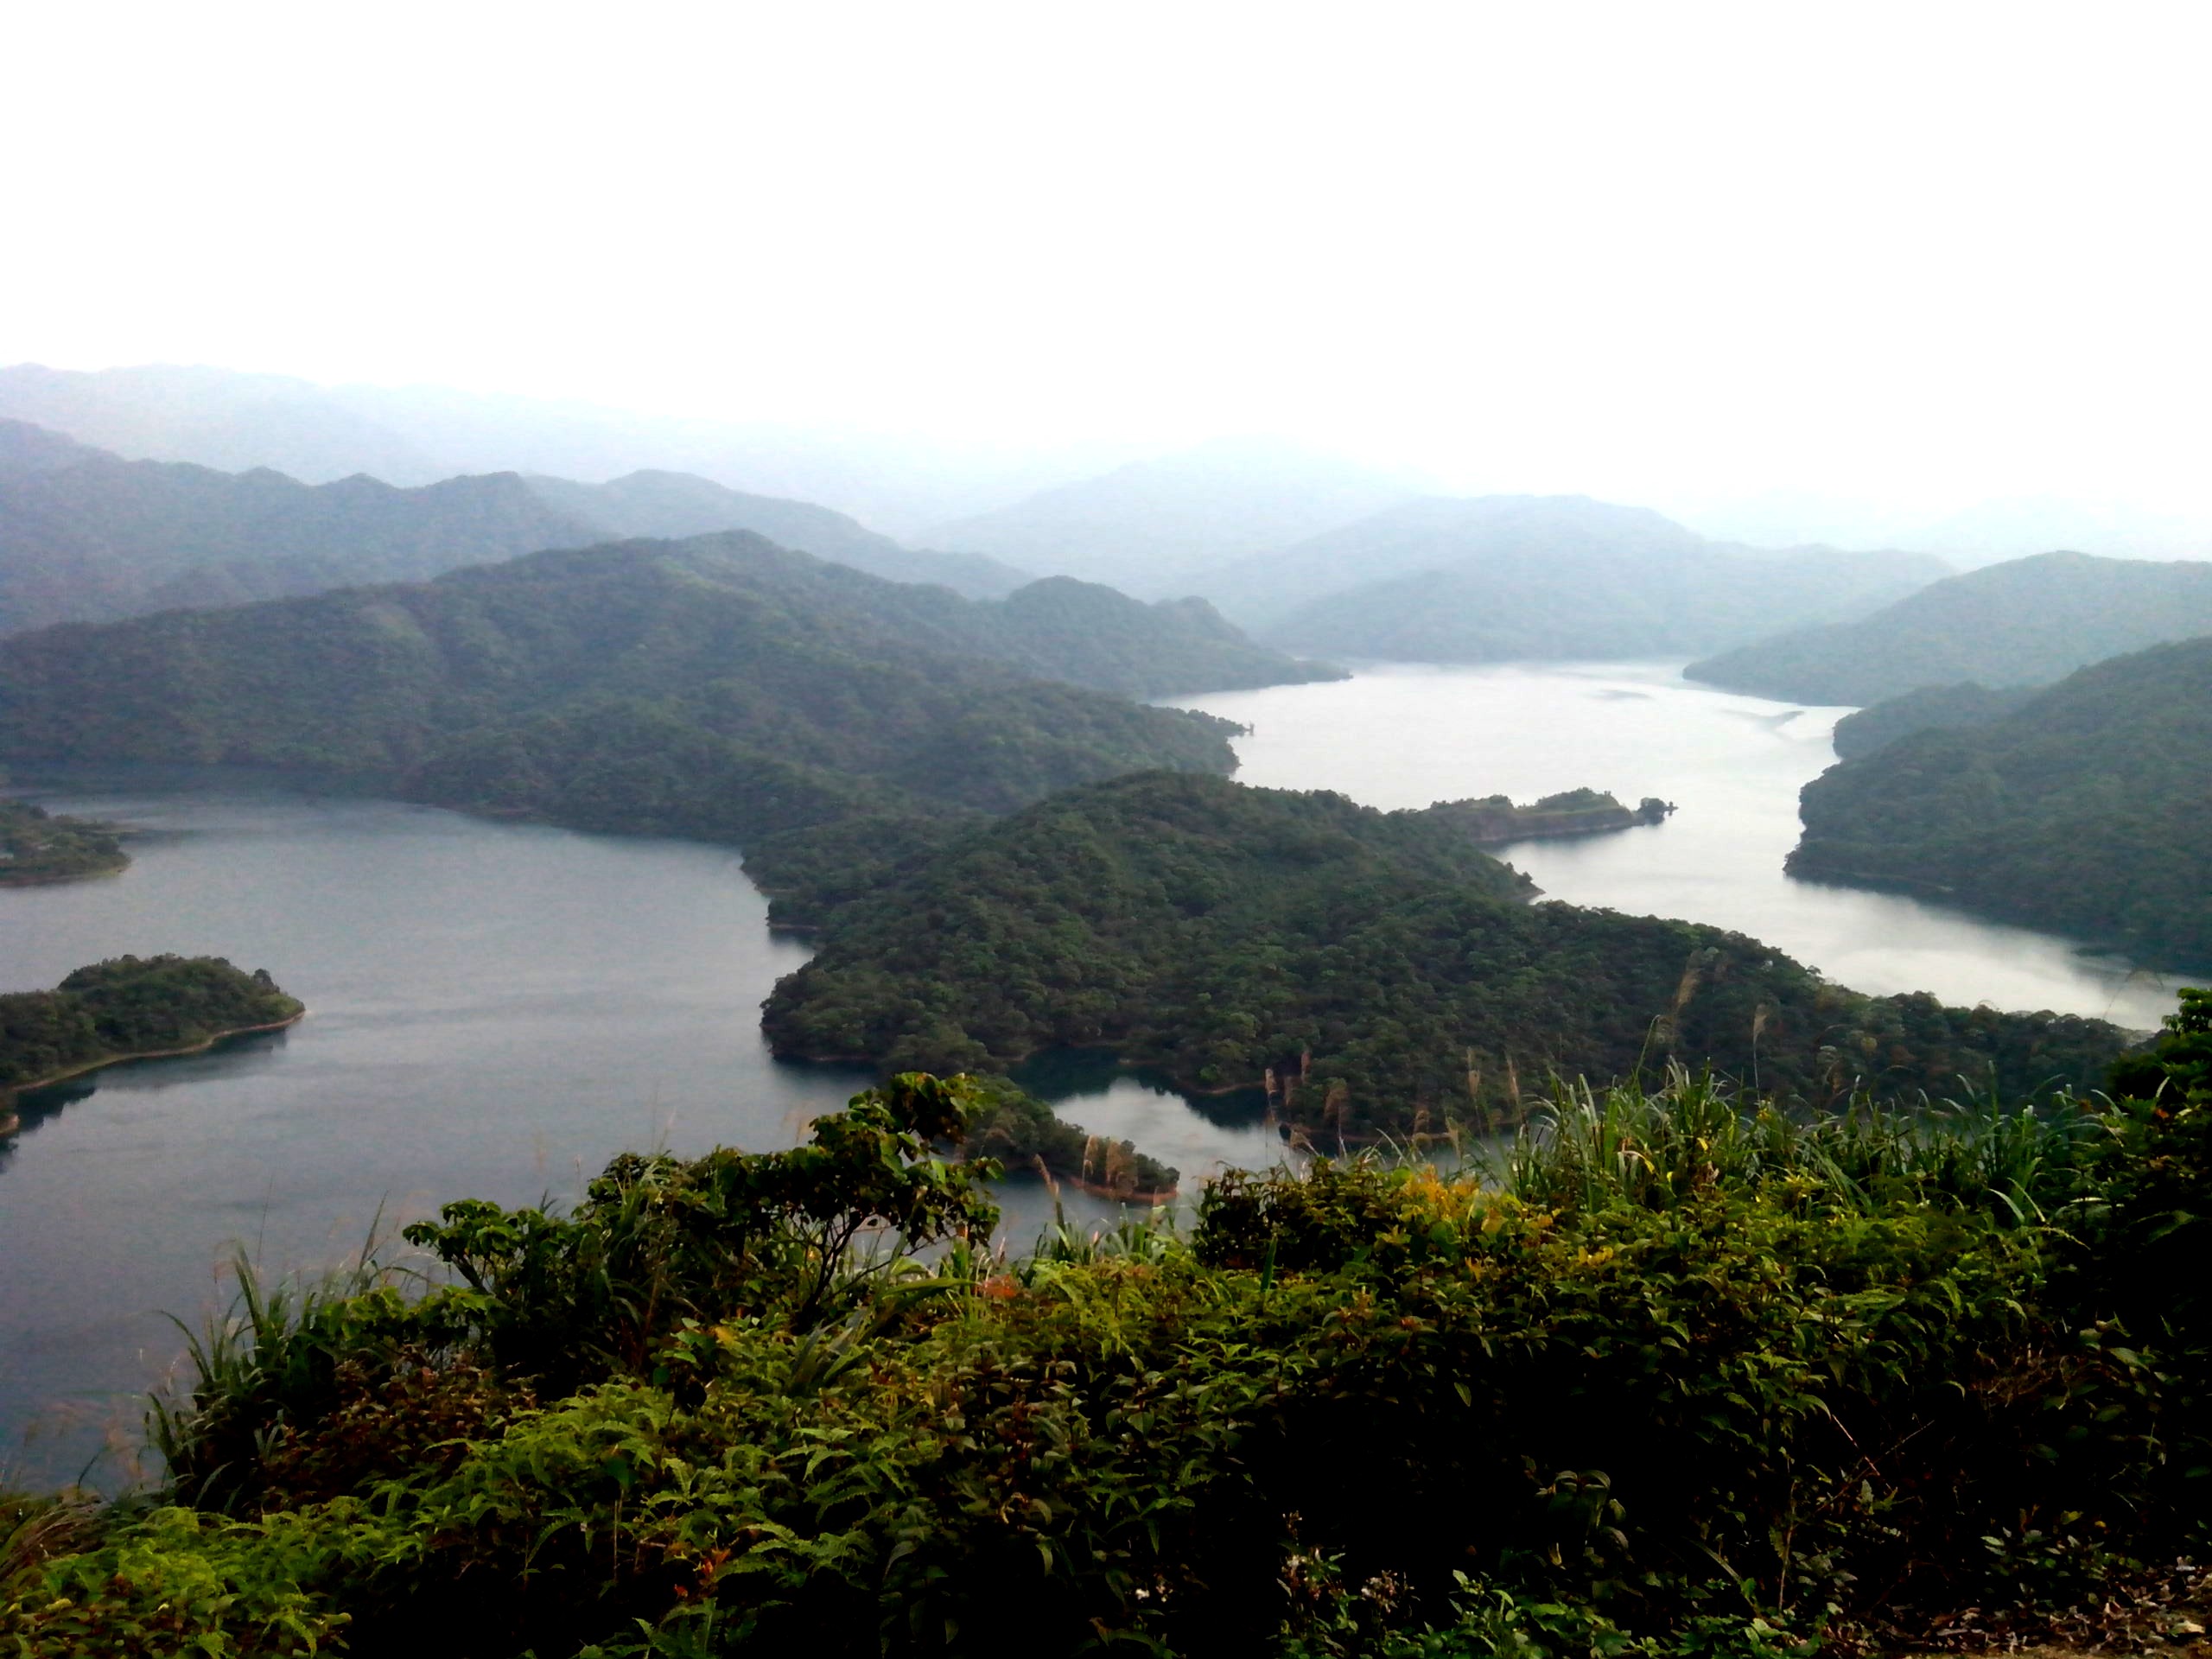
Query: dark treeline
1380	966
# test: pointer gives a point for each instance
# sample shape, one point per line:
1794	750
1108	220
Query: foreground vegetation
2081	810
1692	1377
1376	972
132	1006
36	847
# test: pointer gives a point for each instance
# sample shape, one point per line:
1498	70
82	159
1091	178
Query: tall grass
1658	1148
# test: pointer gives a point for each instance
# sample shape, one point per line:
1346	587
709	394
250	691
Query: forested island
1375	972
1494	820
1685	1375
2083	810
132	1008
37	847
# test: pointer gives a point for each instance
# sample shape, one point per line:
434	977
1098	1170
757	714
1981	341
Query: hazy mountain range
1492	578
418	435
2027	622
87	535
1154	527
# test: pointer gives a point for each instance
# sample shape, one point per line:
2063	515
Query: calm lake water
495	1010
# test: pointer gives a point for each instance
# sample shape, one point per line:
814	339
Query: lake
495	1009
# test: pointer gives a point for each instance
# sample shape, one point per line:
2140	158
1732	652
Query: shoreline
8	1095
65	875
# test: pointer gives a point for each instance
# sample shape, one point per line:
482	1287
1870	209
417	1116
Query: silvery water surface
497	1009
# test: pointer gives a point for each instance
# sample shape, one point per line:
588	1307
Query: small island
130	1008
1023	1133
1494	820
37	847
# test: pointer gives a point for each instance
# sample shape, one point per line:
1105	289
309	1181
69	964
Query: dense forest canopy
131	1005
1373	970
1497	578
2084	809
2025	622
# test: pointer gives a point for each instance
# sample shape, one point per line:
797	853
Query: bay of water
497	1009
1403	735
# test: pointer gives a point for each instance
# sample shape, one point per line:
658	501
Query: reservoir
497	1009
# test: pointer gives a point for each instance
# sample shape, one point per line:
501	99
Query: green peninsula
36	847
1372	971
130	1008
1027	1136
2083	810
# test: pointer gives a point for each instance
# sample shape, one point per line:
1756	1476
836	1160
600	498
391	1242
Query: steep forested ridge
1379	965
2025	622
129	1005
2084	809
1496	578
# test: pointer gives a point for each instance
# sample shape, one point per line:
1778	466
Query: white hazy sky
1914	251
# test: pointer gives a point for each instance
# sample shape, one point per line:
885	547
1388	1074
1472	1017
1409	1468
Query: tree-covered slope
1495	578
2085	809
2025	622
1379	965
1930	707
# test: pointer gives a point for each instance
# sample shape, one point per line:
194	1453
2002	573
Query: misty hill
1378	965
2025	622
217	418
87	536
667	506
84	535
1495	578
2084	809
234	421
1147	527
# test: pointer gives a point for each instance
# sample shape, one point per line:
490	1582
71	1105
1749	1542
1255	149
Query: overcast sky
1921	251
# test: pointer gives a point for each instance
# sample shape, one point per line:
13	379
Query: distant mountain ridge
1149	526
1495	578
87	536
2025	622
408	435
